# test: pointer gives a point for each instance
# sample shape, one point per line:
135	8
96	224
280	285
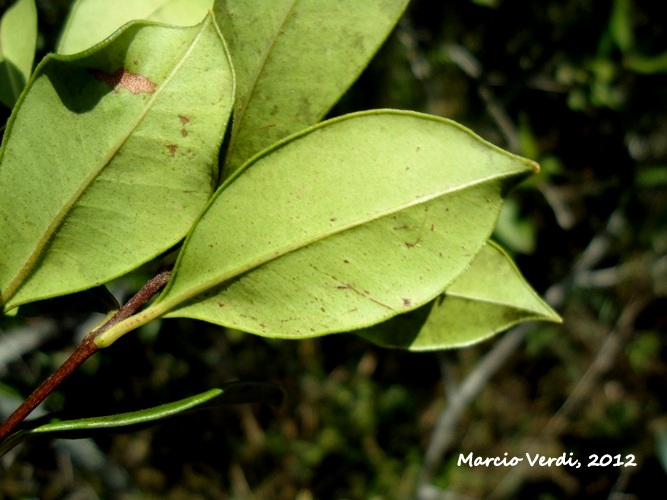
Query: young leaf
18	39
91	21
109	157
345	225
294	60
232	393
489	297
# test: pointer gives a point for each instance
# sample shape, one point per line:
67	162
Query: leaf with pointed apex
293	62
18	40
228	394
487	298
109	157
342	226
91	21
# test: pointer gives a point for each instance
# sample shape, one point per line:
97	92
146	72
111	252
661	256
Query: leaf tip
535	166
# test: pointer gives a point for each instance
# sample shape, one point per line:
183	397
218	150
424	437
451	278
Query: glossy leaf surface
229	394
109	157
370	215
294	60
18	39
489	297
91	21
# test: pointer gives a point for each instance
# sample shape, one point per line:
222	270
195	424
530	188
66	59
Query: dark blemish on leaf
333	219
184	132
418	149
407	302
414	244
322	309
432	227
135	62
172	149
365	294
220	304
346	261
121	78
262	325
184	119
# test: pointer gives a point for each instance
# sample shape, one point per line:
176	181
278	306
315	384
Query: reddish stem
85	350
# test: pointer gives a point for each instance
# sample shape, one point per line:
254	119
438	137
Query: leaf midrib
165	304
43	242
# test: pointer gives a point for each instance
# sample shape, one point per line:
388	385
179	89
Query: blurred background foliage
580	86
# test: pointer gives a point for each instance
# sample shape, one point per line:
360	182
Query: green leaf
293	62
91	21
647	65
347	224
487	298
18	39
620	25
229	394
109	157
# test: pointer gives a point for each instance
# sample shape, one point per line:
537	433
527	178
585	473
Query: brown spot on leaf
172	149
184	132
184	119
414	243
121	78
407	302
365	294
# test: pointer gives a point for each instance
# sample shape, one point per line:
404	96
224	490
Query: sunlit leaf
370	215
18	39
91	21
109	157
294	60
229	394
489	297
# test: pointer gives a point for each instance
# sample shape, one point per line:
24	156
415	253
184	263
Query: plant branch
154	285
86	349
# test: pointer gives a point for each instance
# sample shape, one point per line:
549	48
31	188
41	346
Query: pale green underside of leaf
18	39
489	297
98	178
91	21
294	60
345	225
232	393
